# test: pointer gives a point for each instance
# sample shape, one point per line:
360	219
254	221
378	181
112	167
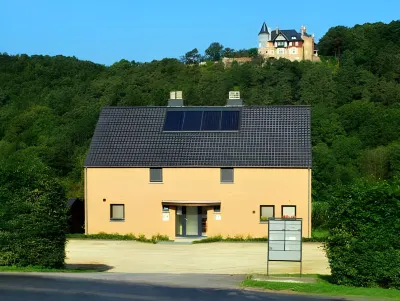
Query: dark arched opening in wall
76	212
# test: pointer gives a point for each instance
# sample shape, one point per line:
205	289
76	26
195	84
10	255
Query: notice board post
285	240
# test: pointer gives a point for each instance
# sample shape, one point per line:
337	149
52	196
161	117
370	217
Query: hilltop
49	105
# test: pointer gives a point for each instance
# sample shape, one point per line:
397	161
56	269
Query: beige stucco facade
240	201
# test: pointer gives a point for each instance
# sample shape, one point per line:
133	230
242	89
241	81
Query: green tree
335	41
228	52
33	214
191	57
215	51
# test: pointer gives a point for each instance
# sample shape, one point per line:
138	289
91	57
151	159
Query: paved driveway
211	258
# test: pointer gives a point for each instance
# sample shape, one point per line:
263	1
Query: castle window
296	43
290	44
293	38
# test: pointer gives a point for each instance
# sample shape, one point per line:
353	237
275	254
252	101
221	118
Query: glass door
192	221
179	218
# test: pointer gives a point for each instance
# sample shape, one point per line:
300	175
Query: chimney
277	30
234	99
303	30
175	99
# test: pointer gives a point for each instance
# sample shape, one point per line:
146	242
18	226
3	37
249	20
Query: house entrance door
188	221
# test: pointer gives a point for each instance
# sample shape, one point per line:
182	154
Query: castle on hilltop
288	44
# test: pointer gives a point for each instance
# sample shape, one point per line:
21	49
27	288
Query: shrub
116	236
159	237
33	215
319	215
363	247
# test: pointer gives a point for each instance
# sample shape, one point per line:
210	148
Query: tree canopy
214	51
49	106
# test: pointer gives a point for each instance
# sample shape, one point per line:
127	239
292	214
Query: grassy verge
141	238
317	236
44	270
323	287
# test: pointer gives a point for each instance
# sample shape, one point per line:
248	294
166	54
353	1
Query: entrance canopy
191	203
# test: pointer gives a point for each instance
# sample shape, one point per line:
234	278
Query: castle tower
264	36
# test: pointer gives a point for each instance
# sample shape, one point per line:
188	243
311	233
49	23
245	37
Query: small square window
217	208
226	175
117	211
266	211
288	211
156	175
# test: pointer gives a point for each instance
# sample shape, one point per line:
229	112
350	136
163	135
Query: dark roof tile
269	136
288	34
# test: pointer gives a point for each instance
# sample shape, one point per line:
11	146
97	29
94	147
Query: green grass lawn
323	287
318	233
45	270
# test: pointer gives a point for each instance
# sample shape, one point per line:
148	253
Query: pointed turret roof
264	29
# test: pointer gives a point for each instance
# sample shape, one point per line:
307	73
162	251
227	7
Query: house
288	44
198	171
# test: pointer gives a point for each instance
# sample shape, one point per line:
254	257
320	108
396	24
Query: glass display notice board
284	240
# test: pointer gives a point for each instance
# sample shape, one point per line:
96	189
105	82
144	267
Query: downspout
309	202
86	202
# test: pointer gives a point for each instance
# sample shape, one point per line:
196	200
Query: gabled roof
288	34
264	29
268	136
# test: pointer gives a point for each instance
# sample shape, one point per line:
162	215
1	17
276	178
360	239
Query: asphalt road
35	287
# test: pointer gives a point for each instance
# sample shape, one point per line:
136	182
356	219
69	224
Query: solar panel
211	121
173	121
199	120
230	121
192	121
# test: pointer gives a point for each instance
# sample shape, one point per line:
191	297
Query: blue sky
108	31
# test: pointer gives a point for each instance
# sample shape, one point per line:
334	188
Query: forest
49	106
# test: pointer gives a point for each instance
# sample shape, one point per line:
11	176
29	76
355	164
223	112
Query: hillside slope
49	105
